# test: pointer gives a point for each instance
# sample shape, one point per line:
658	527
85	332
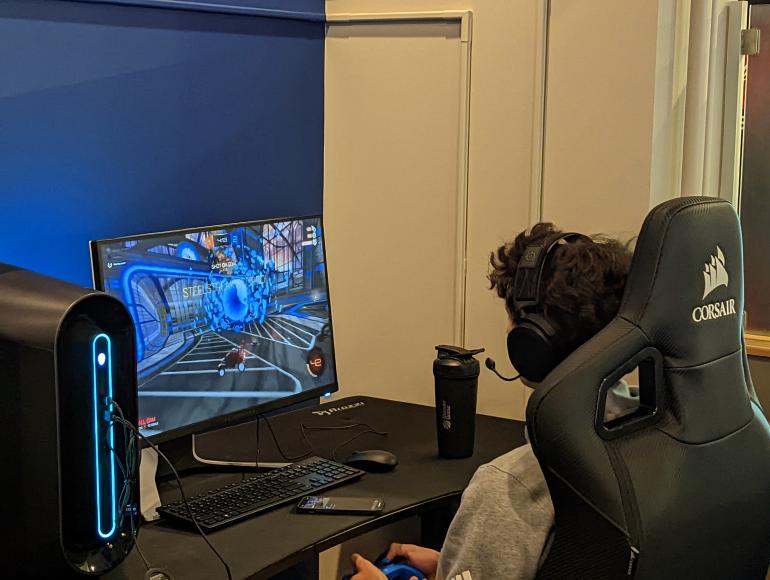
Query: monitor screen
230	320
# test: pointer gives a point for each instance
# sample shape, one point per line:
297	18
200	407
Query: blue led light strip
103	412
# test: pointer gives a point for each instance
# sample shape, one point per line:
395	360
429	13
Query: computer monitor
231	321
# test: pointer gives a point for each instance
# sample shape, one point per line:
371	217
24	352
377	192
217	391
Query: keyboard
260	493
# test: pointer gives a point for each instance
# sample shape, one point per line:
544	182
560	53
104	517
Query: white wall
614	112
364	163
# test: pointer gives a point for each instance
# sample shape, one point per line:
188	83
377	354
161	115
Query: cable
122	420
304	429
134	531
356	436
369	429
129	470
256	458
278	445
138	549
259	418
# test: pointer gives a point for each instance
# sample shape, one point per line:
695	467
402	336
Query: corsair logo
714	276
332	410
714	273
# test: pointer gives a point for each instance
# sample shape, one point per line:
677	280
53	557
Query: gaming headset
534	343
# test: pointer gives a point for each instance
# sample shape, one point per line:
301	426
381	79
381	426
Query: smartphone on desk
314	504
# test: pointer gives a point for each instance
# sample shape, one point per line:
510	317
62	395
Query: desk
265	545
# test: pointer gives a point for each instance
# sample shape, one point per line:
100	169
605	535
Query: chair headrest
685	287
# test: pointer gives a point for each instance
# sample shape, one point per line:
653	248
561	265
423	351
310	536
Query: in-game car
235	359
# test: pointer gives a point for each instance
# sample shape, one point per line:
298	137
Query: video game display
226	318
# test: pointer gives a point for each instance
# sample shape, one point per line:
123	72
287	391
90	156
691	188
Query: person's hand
365	570
424	559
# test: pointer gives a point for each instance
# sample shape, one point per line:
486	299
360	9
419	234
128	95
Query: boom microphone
490	364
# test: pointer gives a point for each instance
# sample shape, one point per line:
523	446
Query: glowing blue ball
235	299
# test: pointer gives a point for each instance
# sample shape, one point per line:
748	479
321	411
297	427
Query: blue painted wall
117	120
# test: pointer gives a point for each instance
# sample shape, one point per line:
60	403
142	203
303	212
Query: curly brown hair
582	283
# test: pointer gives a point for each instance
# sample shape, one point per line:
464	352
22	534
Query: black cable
181	491
130	470
134	530
356	436
256	458
259	418
304	429
138	549
278	445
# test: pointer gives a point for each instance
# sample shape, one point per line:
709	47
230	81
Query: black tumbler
456	373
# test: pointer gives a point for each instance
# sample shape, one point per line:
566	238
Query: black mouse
373	460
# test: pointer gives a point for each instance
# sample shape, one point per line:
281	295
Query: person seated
506	514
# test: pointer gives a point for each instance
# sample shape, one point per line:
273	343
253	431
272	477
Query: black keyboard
260	493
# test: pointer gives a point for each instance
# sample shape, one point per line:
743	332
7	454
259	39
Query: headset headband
529	271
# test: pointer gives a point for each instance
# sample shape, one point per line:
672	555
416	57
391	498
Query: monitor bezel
243	415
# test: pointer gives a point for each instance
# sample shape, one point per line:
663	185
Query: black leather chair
679	489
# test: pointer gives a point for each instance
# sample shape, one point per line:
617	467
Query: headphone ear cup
532	347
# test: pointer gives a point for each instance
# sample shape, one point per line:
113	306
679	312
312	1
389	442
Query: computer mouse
373	460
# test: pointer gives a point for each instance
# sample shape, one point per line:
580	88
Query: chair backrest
680	488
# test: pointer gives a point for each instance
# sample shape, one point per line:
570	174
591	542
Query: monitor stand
229	462
234	448
227	449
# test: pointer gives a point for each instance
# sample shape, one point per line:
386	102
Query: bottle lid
458	352
456	362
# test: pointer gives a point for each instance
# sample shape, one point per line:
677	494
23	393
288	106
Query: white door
394	200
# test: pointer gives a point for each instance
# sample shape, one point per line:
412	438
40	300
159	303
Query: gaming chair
681	487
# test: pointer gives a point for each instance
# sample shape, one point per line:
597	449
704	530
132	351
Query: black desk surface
264	545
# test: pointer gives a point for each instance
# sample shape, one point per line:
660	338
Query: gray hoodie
506	513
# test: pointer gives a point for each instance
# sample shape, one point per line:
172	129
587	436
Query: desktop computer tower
67	366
